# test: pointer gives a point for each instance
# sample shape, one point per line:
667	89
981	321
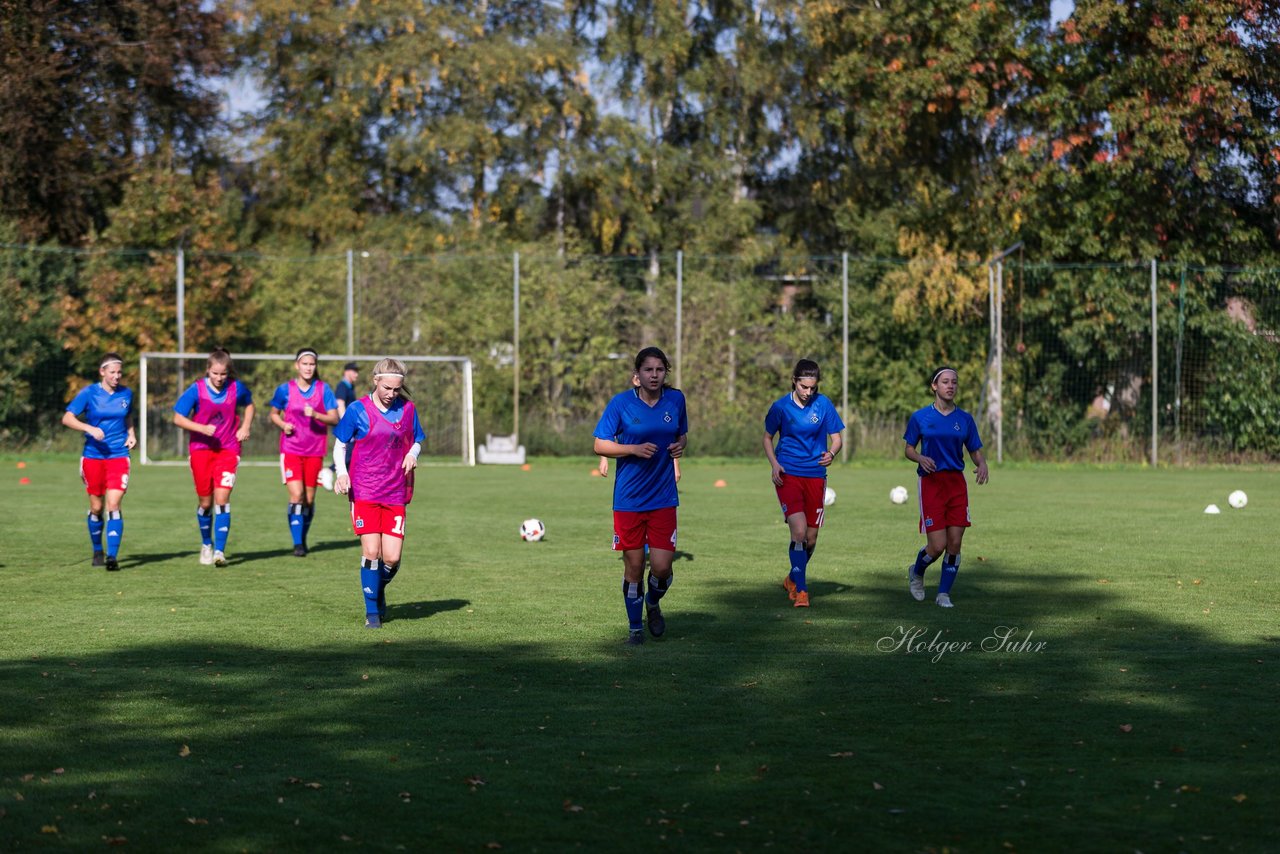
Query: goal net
441	388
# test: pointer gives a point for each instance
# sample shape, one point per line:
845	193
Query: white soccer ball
532	530
326	478
1238	499
898	495
828	497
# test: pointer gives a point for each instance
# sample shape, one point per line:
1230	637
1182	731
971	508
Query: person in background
103	412
936	438
804	421
208	411
304	409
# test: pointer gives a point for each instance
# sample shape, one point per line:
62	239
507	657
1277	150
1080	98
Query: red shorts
305	469
368	517
944	501
633	530
213	470
803	495
99	476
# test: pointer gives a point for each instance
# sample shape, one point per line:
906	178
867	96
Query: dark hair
939	371
108	358
806	369
652	353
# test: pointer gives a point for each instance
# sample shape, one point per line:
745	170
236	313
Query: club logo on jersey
813	418
957	427
359	523
928	521
216	418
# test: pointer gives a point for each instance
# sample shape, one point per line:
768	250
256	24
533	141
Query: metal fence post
515	345
679	317
1155	373
351	303
844	352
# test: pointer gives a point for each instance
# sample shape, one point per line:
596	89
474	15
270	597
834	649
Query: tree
89	88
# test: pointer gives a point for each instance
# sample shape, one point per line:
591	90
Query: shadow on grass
749	726
422	610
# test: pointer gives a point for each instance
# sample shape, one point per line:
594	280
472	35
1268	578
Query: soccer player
304	409
645	429
385	437
943	433
803	420
346	390
207	410
104	413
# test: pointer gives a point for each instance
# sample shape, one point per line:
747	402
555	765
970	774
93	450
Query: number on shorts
228	480
124	481
821	513
398	527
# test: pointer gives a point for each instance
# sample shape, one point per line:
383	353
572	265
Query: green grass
498	706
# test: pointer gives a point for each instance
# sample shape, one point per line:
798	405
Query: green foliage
33	283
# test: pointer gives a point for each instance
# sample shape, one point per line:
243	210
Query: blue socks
370	585
658	588
95	531
634	600
798	560
386	572
308	513
204	518
115	532
297	525
922	561
950	566
221	526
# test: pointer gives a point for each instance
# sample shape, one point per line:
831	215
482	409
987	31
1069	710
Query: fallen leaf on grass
1126	727
1104	580
570	806
59	770
1241	798
877	786
843	754
114	840
493	846
49	828
475	781
193	820
184	752
313	785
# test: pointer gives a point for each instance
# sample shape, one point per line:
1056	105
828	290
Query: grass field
173	706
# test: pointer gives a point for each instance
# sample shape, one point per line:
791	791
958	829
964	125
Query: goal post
440	385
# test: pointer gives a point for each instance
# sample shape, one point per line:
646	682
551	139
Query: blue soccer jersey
943	438
108	411
643	484
355	424
802	433
280	400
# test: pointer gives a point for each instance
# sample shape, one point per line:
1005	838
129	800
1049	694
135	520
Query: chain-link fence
1098	362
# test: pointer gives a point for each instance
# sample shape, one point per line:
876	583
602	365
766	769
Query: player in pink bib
385	437
207	411
304	409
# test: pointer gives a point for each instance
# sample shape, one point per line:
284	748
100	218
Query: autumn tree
86	90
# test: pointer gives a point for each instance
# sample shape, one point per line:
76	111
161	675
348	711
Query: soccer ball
828	497
1238	499
898	495
326	478
532	530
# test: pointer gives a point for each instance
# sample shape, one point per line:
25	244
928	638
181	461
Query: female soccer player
304	409
106	408
645	429
385	437
804	421
207	410
943	433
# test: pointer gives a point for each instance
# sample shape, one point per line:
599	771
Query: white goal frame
468	439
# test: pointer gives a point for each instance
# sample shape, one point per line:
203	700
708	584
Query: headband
307	353
940	372
110	362
388	374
